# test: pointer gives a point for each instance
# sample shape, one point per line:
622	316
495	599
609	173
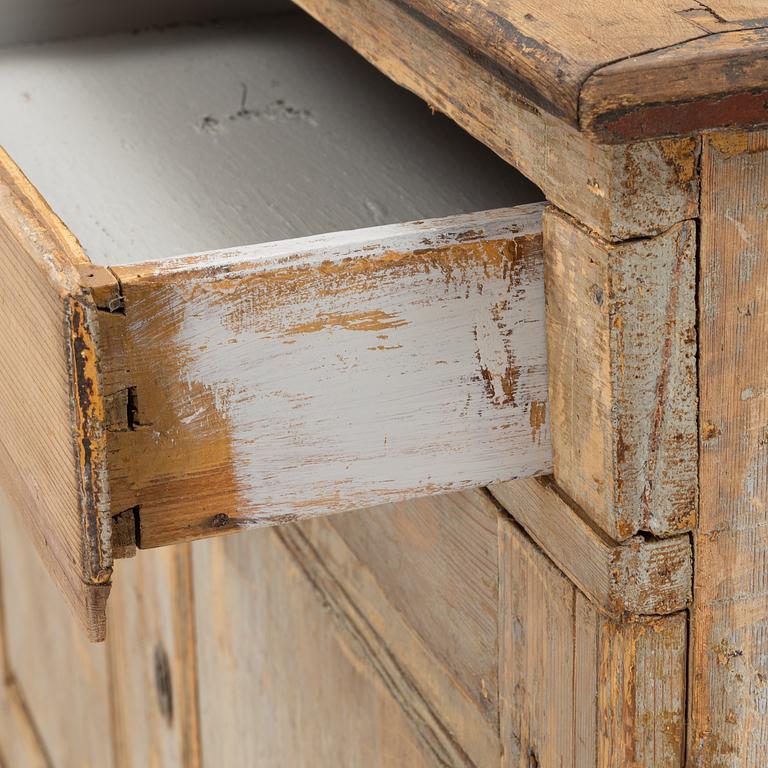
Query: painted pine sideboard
412	461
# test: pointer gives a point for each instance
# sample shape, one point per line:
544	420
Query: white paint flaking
320	416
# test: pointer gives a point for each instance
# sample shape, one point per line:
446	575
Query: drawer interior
182	140
314	355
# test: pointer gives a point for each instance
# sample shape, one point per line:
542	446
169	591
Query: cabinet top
620	70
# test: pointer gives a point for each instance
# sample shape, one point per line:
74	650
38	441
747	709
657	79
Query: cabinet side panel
730	618
536	662
577	687
20	742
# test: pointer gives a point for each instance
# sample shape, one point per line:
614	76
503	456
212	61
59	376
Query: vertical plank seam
183	559
435	736
691	640
574	667
501	664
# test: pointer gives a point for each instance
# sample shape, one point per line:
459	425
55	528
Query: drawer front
328	374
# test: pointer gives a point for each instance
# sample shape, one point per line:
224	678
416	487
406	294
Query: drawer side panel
52	448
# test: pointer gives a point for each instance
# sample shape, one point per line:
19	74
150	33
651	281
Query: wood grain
61	676
641	575
153	667
52	448
712	82
419	571
20	742
729	641
280	642
619	191
325	374
621	332
549	51
689	71
577	688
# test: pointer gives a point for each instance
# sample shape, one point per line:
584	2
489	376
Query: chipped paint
342	418
91	442
375	320
538	418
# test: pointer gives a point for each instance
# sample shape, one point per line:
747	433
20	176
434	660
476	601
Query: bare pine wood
153	666
19	741
319	686
620	191
570	59
622	375
418	571
62	678
325	374
643	576
52	448
729	641
577	688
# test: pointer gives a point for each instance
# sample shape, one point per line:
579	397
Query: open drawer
149	398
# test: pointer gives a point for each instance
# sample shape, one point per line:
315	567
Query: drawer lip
483	267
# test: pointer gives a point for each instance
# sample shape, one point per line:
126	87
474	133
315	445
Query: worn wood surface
621	333
620	191
570	59
433	562
285	653
577	688
643	576
52	449
305	377
730	615
19	742
714	81
61	677
152	661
